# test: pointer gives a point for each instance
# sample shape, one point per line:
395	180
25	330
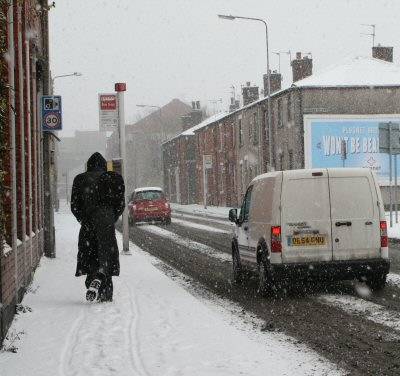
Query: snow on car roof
143	189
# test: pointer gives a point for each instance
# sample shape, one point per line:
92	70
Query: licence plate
306	240
150	209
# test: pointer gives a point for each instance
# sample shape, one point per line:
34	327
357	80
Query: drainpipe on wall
11	51
28	136
22	135
302	124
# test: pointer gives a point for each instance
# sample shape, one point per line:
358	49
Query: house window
289	107
240	133
280	117
291	161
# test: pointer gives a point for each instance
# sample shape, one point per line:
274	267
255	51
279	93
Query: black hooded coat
97	201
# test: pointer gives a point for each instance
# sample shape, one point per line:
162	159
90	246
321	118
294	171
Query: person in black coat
97	201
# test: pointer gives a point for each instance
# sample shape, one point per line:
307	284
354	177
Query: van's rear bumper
340	270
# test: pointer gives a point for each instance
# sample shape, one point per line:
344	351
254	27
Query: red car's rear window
148	195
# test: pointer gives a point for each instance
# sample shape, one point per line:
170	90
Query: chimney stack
275	82
193	117
301	67
383	53
250	93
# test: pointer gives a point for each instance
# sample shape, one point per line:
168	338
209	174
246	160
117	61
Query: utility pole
120	88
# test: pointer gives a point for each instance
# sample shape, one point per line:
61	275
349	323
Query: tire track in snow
70	344
364	308
186	242
99	340
134	346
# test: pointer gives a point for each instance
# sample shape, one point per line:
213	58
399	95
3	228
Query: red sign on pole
108	112
120	86
108	102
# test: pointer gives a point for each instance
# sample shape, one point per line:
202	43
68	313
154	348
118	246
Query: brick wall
19	258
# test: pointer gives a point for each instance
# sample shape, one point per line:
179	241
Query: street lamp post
268	133
76	74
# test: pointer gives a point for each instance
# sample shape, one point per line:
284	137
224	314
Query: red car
149	204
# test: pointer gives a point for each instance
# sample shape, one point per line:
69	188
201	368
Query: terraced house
304	115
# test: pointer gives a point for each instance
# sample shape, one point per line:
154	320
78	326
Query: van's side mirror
233	215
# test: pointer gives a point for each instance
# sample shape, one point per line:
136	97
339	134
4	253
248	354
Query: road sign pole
390	176
120	88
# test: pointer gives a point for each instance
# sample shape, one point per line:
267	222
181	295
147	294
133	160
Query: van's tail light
276	243
384	236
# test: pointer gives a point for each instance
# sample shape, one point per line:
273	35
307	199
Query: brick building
144	140
179	160
362	88
27	155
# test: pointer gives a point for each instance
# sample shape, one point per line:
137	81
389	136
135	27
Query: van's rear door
355	214
305	216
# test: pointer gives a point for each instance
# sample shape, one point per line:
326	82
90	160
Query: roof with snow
359	71
204	123
353	72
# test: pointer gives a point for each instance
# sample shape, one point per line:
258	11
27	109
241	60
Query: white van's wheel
236	265
377	282
264	276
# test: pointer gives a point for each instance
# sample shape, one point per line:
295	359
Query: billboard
326	135
108	112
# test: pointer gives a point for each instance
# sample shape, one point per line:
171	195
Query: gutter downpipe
11	74
22	138
29	146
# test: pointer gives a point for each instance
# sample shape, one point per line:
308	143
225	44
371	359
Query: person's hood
96	162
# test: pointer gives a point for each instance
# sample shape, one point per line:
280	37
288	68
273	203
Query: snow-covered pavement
154	326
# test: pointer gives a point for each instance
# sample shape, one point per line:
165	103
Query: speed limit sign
51	113
52	120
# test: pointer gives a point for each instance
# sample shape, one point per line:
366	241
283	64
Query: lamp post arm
268	130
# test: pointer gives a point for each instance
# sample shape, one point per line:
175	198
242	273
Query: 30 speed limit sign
51	113
52	120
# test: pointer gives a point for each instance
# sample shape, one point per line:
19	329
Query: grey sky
179	48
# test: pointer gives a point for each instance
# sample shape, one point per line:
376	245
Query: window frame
245	208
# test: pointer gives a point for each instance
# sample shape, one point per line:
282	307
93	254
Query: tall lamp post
76	74
268	134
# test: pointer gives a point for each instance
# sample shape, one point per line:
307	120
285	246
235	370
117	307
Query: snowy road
356	330
155	326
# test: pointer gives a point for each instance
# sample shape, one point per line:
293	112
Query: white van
314	223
